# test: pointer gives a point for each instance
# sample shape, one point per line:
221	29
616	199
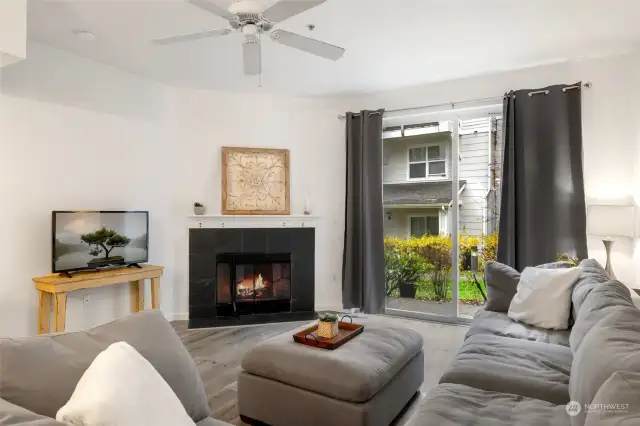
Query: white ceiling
390	43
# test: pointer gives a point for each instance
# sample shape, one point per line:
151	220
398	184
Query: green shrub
564	257
438	256
427	261
328	316
402	267
434	245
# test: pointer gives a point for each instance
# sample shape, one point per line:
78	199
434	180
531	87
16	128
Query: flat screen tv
98	239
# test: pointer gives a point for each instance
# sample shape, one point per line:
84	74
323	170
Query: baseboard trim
182	316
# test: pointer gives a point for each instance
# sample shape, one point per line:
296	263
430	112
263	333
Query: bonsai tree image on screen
105	240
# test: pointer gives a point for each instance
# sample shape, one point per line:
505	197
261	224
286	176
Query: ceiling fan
250	18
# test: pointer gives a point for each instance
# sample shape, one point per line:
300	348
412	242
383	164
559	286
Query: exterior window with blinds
427	162
424	225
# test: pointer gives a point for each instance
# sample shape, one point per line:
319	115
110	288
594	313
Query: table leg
44	312
59	312
136	291
155	293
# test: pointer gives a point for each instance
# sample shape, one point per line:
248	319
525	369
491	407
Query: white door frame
454	217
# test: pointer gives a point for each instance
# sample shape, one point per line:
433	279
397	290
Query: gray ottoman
366	382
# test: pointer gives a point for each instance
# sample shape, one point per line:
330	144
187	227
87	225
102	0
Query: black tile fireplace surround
250	276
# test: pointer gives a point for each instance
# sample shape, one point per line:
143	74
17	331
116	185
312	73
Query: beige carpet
218	352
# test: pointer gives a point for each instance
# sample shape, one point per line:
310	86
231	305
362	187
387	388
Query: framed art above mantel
255	181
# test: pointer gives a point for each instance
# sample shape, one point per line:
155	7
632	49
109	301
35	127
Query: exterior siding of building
395	154
474	168
476	150
396	221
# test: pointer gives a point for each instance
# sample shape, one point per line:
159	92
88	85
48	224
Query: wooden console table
54	288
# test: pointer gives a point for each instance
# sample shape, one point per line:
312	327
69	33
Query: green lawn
468	292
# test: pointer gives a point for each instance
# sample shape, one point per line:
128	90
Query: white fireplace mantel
266	221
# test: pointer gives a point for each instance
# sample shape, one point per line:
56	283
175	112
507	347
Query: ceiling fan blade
189	37
209	6
252	54
285	9
309	45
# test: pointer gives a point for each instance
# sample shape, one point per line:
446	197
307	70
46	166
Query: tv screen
91	240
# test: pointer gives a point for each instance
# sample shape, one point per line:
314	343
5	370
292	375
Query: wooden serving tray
347	331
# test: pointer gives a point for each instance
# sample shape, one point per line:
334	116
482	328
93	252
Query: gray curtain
363	284
543	211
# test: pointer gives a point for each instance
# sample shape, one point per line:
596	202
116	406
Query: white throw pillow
121	388
543	297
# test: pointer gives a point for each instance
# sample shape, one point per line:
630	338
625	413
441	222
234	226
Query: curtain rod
472	101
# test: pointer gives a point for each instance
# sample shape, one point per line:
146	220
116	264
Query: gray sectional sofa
39	374
507	373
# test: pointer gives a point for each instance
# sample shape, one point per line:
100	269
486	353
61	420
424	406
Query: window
424	225
427	161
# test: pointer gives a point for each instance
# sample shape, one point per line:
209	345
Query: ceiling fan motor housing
249	12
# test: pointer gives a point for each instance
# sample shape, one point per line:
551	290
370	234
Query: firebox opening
253	283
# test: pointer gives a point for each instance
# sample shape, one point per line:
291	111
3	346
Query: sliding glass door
419	175
440	210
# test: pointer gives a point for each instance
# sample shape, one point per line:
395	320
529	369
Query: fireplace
253	283
240	276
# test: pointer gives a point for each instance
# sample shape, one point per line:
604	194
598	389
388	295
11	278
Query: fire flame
259	283
245	289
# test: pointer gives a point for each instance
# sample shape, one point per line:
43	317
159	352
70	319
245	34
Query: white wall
80	135
206	121
77	135
65	122
13	31
609	116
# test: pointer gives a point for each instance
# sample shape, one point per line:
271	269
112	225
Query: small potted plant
328	325
198	209
408	270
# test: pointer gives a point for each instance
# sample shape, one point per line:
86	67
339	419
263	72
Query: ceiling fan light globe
250	30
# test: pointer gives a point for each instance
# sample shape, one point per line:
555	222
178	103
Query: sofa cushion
460	405
613	344
501	364
601	300
40	373
122	388
621	394
499	324
592	275
354	372
12	415
543	297
502	283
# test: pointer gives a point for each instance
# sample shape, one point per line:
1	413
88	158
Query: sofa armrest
13	415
